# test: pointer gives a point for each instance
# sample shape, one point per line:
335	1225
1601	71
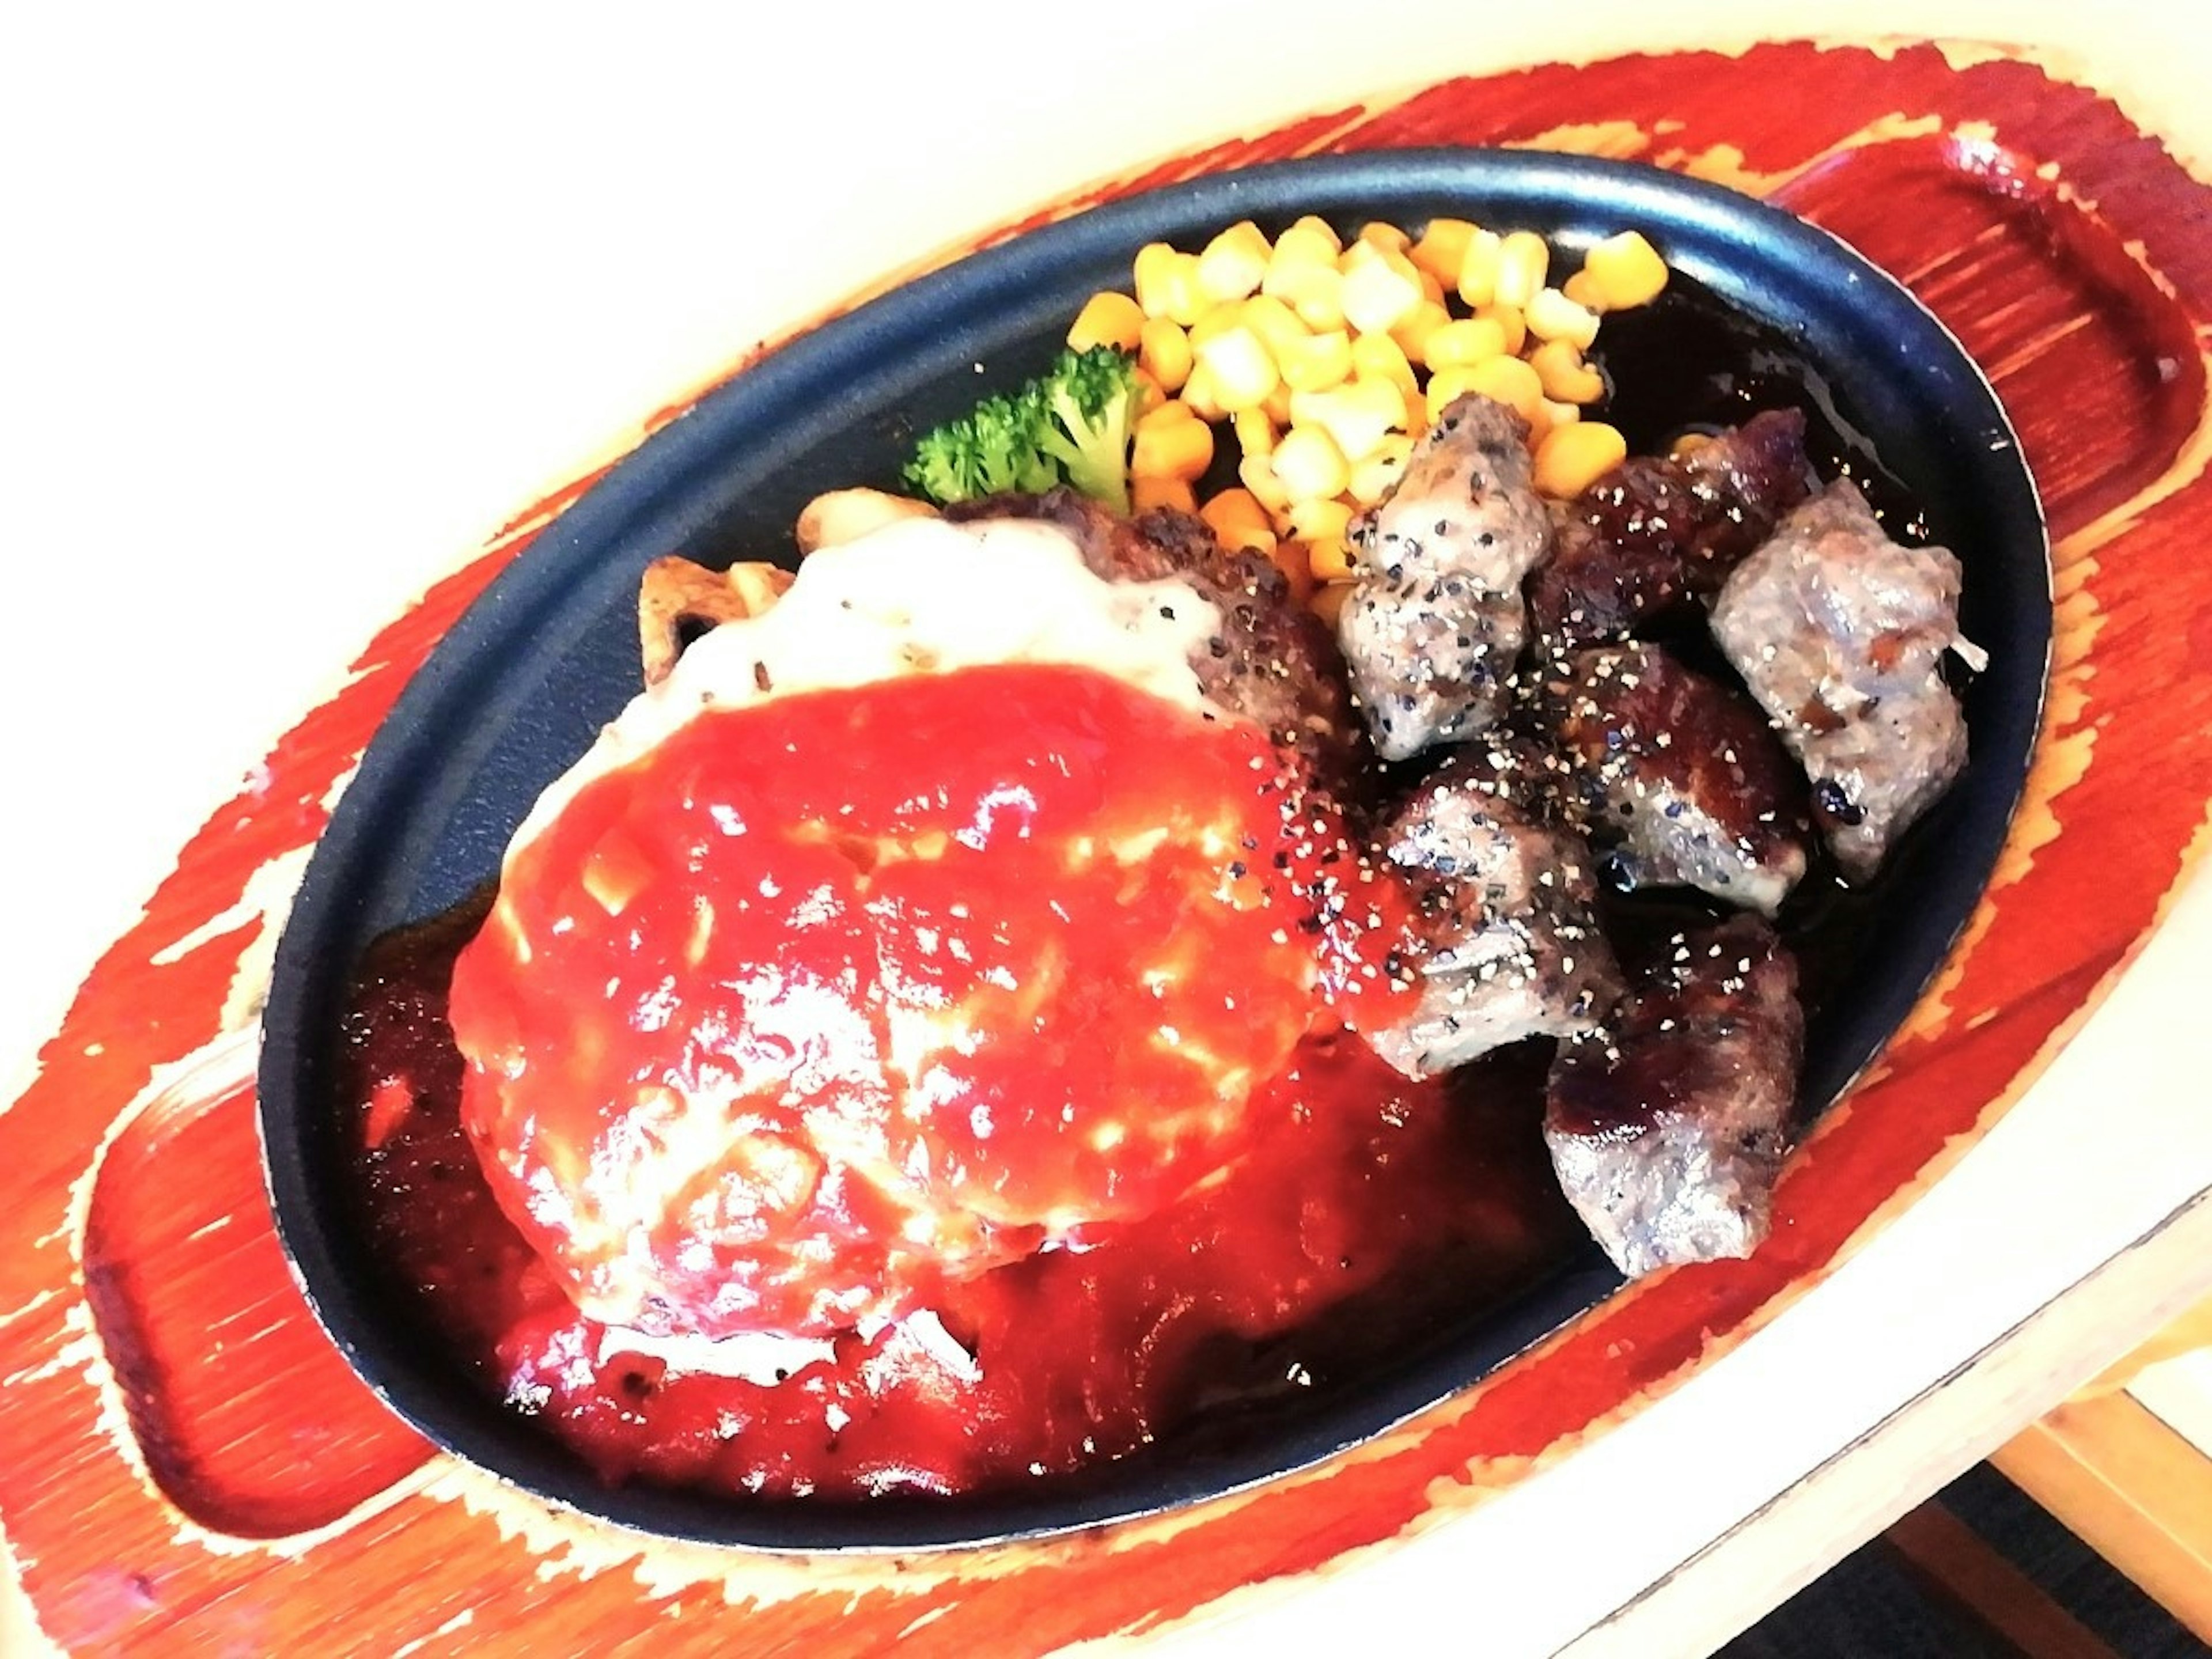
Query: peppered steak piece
1507	944
1684	783
1668	1125
1273	661
1653	532
1839	631
1435	620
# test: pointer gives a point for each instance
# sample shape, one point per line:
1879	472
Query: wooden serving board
186	1462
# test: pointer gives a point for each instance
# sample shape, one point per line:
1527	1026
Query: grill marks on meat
1668	1127
1839	631
1654	532
1435	622
1682	773
1272	663
1509	945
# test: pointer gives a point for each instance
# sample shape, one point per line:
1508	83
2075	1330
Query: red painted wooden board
185	1461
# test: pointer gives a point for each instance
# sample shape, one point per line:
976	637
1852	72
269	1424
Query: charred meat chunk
1838	631
1508	943
1272	663
1653	532
1435	620
1684	783
1668	1126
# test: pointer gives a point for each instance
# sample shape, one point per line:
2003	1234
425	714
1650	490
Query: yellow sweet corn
1238	366
1523	260
1572	458
1164	352
1171	443
1232	264
1625	271
1237	519
1564	375
1109	320
1147	493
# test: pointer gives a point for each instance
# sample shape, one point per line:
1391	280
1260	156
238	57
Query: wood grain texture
2071	255
2136	1492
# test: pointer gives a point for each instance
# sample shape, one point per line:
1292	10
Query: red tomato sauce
1235	1247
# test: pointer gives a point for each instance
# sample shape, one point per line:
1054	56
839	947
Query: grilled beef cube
1435	622
1508	943
1838	631
1684	783
1668	1126
1653	532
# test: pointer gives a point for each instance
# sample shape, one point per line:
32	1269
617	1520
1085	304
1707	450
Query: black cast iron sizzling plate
521	686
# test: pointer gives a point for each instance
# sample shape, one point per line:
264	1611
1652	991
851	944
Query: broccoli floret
1088	402
1071	425
994	448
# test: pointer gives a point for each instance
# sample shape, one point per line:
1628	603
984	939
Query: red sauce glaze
1367	1216
824	1001
855	1003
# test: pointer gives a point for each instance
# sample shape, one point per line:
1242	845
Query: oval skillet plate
520	687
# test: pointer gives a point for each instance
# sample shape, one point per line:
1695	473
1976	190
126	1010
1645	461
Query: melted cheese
918	596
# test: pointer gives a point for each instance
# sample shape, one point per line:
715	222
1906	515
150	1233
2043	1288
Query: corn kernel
1164	352
1564	375
1257	474
1108	320
1582	289
1275	323
1442	249
1688	444
1297	567
1626	269
1380	357
1373	477
1171	443
1231	265
1478	271
1309	465
1358	415
1550	417
1147	493
1413	334
1277	409
1149	274
1322	521
1574	456
1523	260
1388	237
1329	561
1465	341
1553	316
1316	362
1217	319
1167	284
1327	602
1241	369
1506	379
1256	433
1312	237
1237	519
1380	290
1202	398
1509	321
1314	291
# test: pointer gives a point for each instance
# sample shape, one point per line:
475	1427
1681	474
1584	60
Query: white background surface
296	306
